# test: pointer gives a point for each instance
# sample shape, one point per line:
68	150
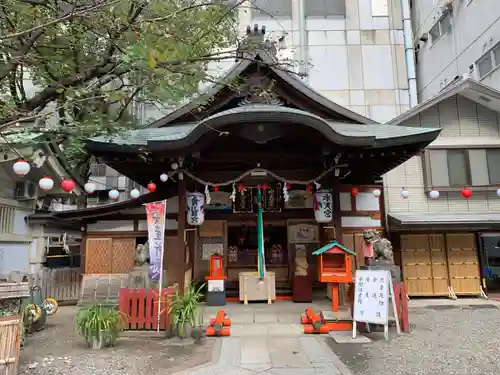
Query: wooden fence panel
63	284
141	307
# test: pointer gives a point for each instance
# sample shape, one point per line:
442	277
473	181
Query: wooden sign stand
388	295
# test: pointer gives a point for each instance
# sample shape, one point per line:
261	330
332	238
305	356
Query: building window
265	9
456	168
98	170
489	61
379	8
440	27
324	8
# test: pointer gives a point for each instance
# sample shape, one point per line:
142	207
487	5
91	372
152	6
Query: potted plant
100	325
184	310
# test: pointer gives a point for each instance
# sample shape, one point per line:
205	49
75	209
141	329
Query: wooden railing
141	307
63	284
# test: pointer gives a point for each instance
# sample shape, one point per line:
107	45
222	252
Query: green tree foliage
76	67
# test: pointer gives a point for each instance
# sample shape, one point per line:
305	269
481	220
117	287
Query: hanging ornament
285	192
164	177
241	188
134	193
288	186
317	185
498	193
376	193
233	193
89	187
354	191
195	203
208	198
265	187
46	183
114	194
151	187
309	188
434	194
404	193
466	193
215	188
67	185
322	202
21	168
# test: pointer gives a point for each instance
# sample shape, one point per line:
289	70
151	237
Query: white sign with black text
373	294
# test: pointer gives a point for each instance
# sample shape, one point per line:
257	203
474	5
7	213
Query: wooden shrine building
266	128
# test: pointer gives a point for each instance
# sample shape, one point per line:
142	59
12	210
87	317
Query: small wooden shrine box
335	263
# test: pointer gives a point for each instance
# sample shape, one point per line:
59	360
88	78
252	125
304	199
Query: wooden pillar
337	217
177	257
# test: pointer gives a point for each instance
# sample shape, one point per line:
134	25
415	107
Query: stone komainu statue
141	254
382	247
301	265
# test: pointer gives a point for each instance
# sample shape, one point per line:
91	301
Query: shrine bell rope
259	170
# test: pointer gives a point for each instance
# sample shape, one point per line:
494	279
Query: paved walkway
269	340
272	356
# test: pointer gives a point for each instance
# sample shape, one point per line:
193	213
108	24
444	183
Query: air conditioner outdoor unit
26	190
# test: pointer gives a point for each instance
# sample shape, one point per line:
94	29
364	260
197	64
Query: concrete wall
464	122
475	29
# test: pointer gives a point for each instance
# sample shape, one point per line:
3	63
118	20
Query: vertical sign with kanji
373	294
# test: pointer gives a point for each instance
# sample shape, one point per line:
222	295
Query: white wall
475	29
467	123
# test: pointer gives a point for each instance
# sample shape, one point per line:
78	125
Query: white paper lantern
434	194
498	192
163	177
134	193
404	194
376	193
89	187
195	203
113	194
21	168
46	183
323	210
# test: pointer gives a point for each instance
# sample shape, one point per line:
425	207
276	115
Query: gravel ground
59	350
445	340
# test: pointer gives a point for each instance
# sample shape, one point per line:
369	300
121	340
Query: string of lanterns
21	168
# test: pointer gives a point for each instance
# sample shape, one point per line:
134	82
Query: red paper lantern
151	187
67	185
354	191
288	186
265	187
466	193
215	188
241	187
309	188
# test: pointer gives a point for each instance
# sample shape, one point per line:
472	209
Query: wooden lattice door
463	263
98	255
423	259
123	252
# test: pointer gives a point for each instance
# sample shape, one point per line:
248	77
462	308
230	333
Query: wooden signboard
373	294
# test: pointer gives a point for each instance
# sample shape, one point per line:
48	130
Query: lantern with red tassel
215	188
466	193
151	187
309	188
288	186
354	191
265	187
241	187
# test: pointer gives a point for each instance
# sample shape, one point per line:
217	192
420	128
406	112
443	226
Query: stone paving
269	340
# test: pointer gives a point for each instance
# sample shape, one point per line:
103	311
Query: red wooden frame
141	308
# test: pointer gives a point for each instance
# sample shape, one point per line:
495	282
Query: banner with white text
155	213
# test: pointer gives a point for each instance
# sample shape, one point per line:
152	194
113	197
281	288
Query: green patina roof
141	137
330	245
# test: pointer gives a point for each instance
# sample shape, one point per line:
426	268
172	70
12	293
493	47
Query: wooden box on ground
254	289
10	344
302	289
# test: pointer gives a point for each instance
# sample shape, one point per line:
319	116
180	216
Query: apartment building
351	51
455	38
